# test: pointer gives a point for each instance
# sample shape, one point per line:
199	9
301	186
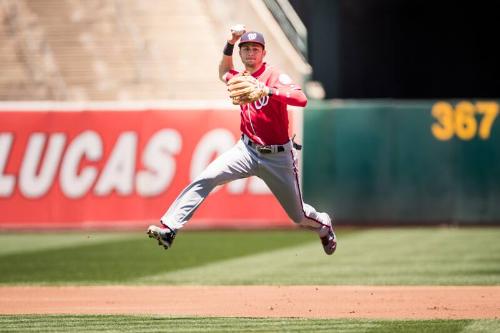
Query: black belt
263	149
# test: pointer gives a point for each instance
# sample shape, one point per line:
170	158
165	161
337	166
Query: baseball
238	29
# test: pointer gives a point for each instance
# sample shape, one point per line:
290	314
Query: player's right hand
236	32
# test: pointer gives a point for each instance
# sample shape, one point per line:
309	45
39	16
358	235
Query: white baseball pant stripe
277	170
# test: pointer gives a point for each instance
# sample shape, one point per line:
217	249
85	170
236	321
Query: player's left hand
244	89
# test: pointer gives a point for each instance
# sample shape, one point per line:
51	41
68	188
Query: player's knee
296	217
206	181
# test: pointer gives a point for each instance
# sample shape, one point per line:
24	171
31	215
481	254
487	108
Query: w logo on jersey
261	102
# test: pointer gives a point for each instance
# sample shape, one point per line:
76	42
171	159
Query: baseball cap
252	37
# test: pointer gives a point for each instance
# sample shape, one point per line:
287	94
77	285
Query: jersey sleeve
229	75
286	91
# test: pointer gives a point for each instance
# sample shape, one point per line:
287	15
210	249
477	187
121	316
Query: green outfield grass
383	256
165	324
405	256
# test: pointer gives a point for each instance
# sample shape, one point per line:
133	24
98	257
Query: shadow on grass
130	258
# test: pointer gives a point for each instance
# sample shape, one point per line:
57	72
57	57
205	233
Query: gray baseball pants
278	170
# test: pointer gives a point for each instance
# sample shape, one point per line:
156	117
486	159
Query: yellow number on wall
462	121
465	122
443	112
490	112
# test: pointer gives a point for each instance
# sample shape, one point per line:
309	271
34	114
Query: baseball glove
244	89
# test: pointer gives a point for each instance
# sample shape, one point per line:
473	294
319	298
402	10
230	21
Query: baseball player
265	149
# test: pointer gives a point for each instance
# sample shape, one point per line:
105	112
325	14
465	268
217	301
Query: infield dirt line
384	302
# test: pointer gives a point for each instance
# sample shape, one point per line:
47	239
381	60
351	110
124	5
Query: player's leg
279	171
231	165
234	164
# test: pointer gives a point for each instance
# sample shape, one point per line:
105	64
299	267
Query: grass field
384	256
162	324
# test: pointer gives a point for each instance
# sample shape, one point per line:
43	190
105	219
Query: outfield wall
390	161
112	165
70	165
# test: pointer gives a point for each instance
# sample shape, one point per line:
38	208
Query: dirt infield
394	302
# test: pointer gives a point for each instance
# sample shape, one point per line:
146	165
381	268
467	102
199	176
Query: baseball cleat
328	237
164	236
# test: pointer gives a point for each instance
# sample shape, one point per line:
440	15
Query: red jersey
266	121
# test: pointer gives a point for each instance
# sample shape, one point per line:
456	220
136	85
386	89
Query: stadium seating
99	50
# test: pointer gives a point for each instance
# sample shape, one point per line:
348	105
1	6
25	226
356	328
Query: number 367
461	120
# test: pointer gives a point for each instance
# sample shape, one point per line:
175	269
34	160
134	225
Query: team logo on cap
252	36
